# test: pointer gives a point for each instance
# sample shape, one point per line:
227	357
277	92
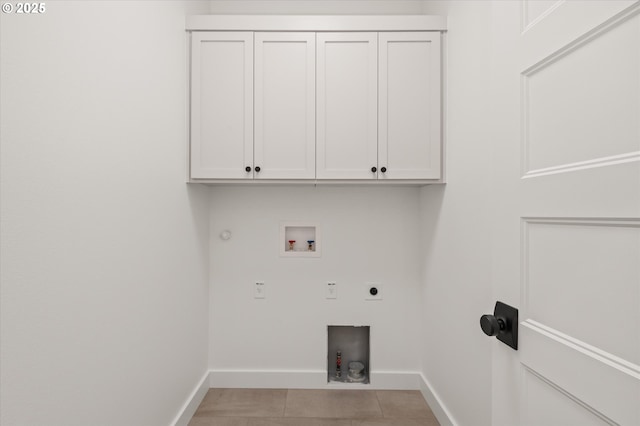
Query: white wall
456	218
368	234
104	247
317	7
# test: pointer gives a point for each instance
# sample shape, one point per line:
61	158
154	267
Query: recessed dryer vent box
299	239
353	344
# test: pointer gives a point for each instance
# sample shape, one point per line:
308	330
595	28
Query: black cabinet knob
383	169
373	169
491	325
257	169
247	169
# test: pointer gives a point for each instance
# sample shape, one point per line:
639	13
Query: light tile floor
307	407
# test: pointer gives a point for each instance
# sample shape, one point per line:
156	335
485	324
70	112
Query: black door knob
383	169
503	324
491	325
257	169
373	169
373	291
247	169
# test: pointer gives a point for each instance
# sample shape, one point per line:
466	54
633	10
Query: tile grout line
379	405
284	409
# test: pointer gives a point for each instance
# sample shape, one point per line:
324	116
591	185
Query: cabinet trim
316	23
316	182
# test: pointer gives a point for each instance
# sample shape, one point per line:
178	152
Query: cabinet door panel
285	105
221	105
409	105
347	91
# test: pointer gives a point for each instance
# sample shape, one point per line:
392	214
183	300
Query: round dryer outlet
373	291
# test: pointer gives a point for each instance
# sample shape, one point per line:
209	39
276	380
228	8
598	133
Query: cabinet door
347	90
409	137
285	105
221	105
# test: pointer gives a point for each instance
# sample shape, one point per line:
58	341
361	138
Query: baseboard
191	405
435	403
290	379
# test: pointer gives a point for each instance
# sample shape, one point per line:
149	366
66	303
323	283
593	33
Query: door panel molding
584	39
576	126
554	271
553	388
584	165
571	361
600	355
529	21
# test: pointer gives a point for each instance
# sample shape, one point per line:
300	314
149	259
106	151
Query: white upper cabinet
316	98
221	105
409	106
379	106
347	89
284	141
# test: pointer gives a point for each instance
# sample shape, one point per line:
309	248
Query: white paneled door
567	223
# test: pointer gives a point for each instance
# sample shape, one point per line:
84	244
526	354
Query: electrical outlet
259	290
373	291
332	290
